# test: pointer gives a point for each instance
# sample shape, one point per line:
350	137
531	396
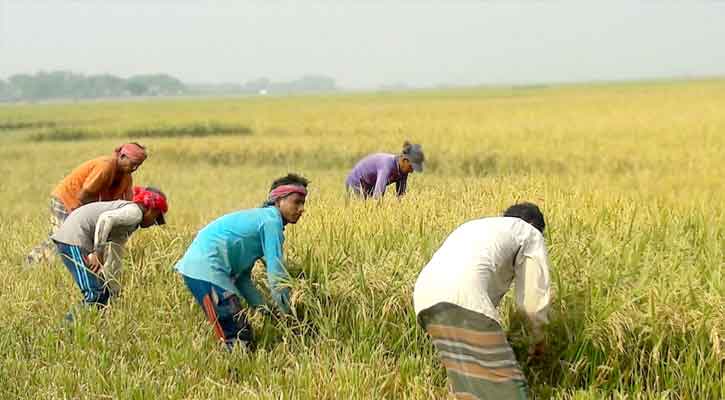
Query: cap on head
414	153
529	212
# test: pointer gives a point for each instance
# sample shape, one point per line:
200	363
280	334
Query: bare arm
401	186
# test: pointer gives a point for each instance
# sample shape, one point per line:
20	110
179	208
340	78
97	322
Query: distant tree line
262	86
69	85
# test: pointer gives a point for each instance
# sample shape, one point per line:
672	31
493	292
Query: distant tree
104	86
308	83
66	84
155	85
23	85
5	92
136	87
256	86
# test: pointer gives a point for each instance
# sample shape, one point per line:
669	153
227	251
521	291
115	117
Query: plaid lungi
46	249
479	361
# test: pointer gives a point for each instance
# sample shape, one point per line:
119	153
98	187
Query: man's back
230	245
476	264
80	226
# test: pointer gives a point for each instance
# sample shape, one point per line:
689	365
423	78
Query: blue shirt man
224	252
217	266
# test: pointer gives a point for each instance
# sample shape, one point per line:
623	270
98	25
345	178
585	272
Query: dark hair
406	147
290	179
529	212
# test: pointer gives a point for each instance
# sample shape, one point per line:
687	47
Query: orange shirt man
101	179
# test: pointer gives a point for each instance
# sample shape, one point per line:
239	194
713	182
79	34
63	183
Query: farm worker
373	173
217	266
457	292
101	179
90	241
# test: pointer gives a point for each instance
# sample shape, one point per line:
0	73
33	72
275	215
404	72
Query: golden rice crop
630	177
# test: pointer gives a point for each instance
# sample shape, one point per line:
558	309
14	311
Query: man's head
153	203
529	212
130	156
411	158
288	194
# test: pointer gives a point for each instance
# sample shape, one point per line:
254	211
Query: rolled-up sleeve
277	276
533	285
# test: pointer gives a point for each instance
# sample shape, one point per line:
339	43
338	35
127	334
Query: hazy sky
366	43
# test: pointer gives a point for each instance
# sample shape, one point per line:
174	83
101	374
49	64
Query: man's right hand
537	350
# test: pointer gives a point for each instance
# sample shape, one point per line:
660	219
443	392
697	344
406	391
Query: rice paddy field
630	177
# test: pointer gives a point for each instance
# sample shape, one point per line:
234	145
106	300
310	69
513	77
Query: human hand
94	263
537	350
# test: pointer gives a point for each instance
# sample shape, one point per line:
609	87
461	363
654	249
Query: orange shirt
97	177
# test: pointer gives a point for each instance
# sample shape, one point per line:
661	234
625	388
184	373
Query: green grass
16	125
629	177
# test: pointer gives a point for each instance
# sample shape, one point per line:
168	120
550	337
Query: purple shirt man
373	173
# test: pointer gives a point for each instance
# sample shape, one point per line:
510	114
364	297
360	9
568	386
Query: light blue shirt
225	251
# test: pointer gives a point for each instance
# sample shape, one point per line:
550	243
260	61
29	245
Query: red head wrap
152	199
286	190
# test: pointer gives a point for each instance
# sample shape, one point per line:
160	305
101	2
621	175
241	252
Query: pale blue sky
364	44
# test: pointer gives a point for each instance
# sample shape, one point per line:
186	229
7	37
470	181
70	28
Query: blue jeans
92	287
223	310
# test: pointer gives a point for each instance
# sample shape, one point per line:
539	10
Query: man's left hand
94	263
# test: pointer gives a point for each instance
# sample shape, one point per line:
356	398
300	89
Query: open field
629	176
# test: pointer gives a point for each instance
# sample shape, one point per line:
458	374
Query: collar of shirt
278	214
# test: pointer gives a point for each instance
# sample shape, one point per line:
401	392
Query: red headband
286	190
150	199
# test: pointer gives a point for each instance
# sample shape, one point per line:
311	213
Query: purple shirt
373	173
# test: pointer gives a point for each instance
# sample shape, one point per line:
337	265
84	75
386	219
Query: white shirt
127	216
476	264
92	225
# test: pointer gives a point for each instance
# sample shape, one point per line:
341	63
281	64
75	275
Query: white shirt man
457	293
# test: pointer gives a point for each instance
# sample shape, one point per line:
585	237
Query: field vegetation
630	177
